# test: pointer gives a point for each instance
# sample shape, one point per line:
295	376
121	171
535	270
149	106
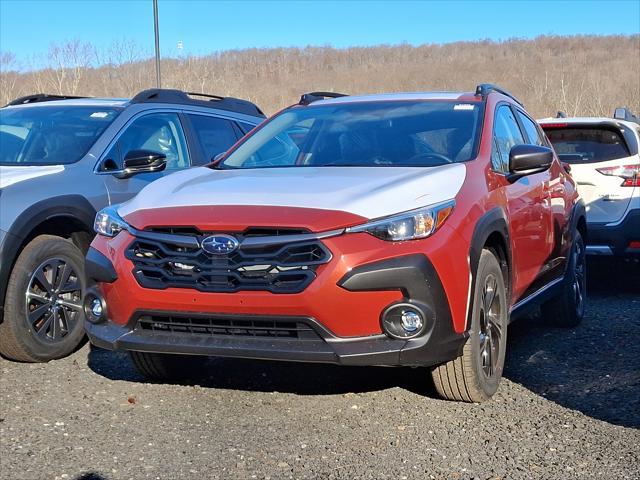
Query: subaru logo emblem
219	244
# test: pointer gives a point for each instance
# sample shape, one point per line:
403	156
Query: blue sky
28	27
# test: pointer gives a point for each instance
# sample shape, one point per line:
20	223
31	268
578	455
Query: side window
158	132
532	130
496	159
506	134
246	127
215	135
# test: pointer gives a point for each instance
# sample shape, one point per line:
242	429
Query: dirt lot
569	407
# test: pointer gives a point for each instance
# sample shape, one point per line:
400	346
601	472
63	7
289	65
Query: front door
528	207
160	132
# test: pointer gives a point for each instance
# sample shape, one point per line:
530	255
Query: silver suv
603	154
64	158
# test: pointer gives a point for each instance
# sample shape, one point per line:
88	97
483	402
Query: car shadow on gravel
91	476
594	368
272	376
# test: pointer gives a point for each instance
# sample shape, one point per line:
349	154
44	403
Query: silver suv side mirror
141	161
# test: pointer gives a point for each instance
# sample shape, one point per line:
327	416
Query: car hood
10	175
369	192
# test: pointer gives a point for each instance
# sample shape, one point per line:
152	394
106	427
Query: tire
43	316
476	374
567	308
164	366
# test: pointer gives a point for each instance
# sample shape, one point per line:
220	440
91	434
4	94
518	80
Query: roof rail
40	97
485	89
311	97
623	113
166	95
561	114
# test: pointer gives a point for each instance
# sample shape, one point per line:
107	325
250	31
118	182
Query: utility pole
157	35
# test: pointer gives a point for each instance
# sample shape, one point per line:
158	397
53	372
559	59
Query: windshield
587	145
390	133
48	135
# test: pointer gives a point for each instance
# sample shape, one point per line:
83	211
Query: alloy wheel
579	276
53	300
490	326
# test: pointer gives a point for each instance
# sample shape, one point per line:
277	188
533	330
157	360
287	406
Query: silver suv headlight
411	225
108	222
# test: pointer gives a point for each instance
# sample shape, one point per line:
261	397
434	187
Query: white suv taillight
630	174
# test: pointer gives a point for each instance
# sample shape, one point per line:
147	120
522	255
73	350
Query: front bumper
372	350
614	240
343	306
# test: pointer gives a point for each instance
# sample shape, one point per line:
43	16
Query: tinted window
532	130
246	127
215	135
587	145
158	132
394	133
506	134
50	135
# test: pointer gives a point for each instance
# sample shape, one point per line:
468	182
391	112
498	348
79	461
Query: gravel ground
569	407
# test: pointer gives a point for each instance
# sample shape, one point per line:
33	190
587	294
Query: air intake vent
226	326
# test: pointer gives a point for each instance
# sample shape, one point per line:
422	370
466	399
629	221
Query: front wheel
43	316
476	374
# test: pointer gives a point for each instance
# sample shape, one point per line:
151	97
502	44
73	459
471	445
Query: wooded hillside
581	75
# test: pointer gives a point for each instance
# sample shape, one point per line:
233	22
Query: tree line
580	75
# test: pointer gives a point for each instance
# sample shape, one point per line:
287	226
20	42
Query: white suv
603	157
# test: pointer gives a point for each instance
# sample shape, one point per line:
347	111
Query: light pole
157	35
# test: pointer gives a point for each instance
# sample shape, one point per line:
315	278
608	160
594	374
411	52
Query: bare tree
68	64
8	77
583	75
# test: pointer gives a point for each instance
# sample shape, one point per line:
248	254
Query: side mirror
141	161
528	159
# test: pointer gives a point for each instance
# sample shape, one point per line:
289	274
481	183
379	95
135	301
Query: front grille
290	268
227	326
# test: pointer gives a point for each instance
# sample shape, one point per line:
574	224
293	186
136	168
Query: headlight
108	222
410	225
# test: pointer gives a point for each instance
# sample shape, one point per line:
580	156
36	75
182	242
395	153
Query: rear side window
506	134
532	130
587	145
215	135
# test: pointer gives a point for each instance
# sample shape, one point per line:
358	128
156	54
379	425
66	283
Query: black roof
162	95
308	98
40	97
165	95
485	89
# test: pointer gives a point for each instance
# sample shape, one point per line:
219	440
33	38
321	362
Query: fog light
407	320
411	321
96	307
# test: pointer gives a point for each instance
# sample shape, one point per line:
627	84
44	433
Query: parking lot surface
568	407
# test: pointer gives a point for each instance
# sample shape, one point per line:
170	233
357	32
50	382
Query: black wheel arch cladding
76	207
492	222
